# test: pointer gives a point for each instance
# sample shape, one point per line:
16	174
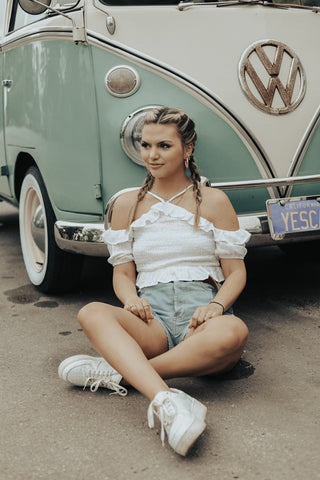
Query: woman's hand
202	314
140	307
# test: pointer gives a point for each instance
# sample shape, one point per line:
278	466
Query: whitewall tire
49	268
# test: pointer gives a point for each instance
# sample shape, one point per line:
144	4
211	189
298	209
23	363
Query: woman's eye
144	145
164	145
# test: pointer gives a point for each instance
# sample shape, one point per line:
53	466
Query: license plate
293	215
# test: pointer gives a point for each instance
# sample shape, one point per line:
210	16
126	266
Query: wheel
49	268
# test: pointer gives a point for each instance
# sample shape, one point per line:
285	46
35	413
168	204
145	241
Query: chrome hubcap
38	228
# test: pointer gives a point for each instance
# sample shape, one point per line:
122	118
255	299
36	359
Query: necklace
168	197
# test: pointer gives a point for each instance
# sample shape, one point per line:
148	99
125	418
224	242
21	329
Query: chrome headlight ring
130	135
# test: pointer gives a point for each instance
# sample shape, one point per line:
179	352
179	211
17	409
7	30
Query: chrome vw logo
272	77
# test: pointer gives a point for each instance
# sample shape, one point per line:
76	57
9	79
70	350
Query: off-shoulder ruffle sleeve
230	244
119	244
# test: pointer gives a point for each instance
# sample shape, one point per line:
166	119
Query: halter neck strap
172	198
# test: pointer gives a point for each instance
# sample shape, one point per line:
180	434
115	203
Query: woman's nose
154	153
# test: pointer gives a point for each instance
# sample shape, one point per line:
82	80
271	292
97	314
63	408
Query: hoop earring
186	162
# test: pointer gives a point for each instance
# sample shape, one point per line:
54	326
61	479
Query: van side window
19	18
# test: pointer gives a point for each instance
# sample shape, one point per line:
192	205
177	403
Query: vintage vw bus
78	75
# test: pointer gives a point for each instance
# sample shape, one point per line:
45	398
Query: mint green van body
78	76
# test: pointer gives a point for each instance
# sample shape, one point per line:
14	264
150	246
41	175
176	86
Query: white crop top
165	246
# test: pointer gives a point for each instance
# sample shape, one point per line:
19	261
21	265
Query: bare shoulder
215	198
218	209
126	199
210	194
121	209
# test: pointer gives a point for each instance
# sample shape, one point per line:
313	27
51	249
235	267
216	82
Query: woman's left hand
202	314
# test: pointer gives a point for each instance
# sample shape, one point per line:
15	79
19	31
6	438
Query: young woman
177	253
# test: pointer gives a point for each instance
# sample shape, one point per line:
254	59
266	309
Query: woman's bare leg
127	343
214	347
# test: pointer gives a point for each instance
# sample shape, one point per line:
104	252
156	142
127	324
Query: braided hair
195	177
186	129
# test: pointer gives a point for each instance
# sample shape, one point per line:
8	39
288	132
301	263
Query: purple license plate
293	215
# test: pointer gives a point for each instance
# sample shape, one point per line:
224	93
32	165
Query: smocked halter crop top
165	246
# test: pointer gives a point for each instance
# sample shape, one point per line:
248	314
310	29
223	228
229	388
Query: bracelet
213	301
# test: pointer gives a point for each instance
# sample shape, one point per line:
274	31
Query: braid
146	186
196	180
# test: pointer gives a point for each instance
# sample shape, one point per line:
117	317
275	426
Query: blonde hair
186	130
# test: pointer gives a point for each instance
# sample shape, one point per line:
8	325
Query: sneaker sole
64	366
183	444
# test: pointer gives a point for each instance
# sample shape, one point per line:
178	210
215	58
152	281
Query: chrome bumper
87	238
81	238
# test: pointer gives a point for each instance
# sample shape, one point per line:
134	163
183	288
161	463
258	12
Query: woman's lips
155	165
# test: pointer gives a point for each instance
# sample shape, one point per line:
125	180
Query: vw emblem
272	77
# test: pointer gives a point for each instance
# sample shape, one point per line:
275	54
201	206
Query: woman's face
162	150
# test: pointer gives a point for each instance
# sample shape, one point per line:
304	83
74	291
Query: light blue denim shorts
174	303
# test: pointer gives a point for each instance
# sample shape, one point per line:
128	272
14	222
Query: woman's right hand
140	307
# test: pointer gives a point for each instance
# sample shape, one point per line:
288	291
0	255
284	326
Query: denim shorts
174	303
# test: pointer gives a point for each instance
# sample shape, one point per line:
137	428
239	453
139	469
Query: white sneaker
196	407
84	371
181	419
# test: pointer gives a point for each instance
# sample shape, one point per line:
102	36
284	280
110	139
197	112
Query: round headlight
34	8
130	135
122	81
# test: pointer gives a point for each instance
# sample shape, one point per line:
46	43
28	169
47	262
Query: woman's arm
124	275
124	285
235	280
224	217
219	210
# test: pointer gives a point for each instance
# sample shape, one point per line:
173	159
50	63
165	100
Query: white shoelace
165	411
97	378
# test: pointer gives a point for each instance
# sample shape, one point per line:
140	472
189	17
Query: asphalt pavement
263	416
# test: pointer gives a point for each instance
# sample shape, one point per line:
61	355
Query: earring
186	162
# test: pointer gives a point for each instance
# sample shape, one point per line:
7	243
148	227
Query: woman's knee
232	334
237	336
90	312
241	332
